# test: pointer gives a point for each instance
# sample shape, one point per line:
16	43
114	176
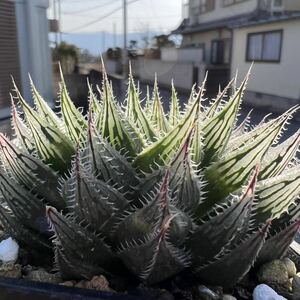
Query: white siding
280	79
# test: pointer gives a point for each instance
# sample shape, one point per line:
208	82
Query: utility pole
60	18
103	41
183	9
124	62
115	34
55	18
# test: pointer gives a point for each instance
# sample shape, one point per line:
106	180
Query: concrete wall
166	71
34	51
280	79
195	55
221	11
169	54
205	38
113	66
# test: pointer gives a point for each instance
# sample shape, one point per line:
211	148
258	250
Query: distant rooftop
244	20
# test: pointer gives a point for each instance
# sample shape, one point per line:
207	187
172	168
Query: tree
162	40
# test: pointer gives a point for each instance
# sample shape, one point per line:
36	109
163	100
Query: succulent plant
129	185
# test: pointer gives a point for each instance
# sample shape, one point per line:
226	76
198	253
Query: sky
143	15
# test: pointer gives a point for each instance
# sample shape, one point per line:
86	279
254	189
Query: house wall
288	5
205	38
221	11
267	79
291	5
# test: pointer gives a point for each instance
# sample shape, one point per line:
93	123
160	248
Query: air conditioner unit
277	6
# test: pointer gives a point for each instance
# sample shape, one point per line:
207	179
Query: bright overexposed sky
143	15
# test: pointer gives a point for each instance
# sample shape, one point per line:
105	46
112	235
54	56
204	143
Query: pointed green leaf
223	224
158	116
108	163
232	170
135	114
228	267
277	158
197	144
275	195
113	126
91	200
95	108
74	122
161	151
52	146
71	267
216	104
239	141
243	127
217	130
148	103
156	258
277	245
151	235
174	114
31	172
28	209
44	109
78	244
22	132
184	181
28	238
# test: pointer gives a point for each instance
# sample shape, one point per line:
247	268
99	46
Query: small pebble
296	287
207	294
264	292
274	273
10	270
228	297
9	251
42	275
291	267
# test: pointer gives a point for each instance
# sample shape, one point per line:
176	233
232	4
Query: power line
80	1
97	20
131	18
101	18
90	8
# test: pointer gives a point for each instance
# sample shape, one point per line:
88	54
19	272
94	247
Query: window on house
220	52
277	3
206	6
264	46
230	2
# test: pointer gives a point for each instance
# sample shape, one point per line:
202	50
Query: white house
233	33
24	49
